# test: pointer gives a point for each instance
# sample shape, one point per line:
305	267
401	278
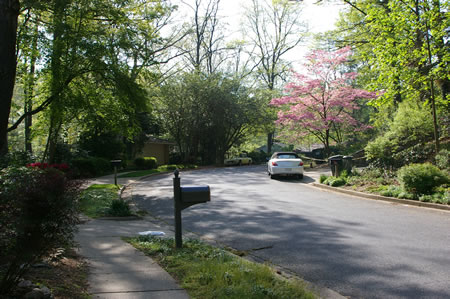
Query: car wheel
272	176
300	176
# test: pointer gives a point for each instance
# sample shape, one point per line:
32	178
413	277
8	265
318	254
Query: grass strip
209	272
96	200
160	169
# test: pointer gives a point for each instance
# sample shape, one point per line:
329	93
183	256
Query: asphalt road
360	248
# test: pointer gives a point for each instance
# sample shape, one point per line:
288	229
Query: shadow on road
317	252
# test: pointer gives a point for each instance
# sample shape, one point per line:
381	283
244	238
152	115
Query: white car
285	163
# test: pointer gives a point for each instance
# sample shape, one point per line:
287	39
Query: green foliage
160	169
16	159
421	178
392	191
208	114
412	125
146	163
443	159
38	214
258	157
96	200
335	181
105	145
119	208
208	272
91	166
323	178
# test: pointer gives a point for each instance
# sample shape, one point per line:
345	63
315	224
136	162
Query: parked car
241	160
285	163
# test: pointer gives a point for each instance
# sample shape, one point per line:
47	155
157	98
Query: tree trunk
9	12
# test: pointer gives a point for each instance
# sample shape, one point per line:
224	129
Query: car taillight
301	164
274	164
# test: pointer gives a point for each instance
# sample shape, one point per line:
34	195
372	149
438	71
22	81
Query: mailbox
185	197
116	163
197	194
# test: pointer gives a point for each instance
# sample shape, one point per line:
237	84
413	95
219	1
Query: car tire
272	176
300	176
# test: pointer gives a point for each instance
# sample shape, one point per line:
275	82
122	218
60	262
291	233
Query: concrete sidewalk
117	269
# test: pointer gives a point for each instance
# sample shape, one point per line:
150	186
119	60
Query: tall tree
208	114
321	103
9	12
275	27
405	46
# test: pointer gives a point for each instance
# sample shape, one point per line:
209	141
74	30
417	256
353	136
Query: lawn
209	272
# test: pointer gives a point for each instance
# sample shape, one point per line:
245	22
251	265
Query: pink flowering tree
321	102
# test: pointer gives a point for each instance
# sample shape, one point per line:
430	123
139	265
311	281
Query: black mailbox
197	194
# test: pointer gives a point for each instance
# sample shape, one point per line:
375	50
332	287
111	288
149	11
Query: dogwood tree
321	102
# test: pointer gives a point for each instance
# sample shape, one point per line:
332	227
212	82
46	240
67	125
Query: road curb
384	198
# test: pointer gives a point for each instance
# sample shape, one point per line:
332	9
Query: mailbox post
115	164
185	197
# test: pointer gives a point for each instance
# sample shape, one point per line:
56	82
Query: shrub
421	178
337	182
443	159
146	162
38	214
92	166
392	191
411	125
119	208
323	178
16	159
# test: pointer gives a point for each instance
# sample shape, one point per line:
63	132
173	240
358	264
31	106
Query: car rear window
287	156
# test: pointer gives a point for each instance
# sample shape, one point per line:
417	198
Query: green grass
160	169
139	173
208	272
96	200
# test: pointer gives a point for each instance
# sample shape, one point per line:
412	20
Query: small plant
421	178
146	162
337	182
443	159
119	208
323	178
392	191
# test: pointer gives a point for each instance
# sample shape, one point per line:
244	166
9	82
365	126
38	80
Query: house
158	148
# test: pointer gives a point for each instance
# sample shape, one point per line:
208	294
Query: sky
320	18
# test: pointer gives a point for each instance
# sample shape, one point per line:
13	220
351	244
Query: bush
258	157
335	182
146	162
323	178
421	178
392	191
38	214
404	141
91	167
119	208
443	159
16	159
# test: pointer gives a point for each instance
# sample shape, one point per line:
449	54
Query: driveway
357	247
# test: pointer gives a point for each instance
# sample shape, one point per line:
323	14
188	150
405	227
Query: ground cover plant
209	272
100	200
423	182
